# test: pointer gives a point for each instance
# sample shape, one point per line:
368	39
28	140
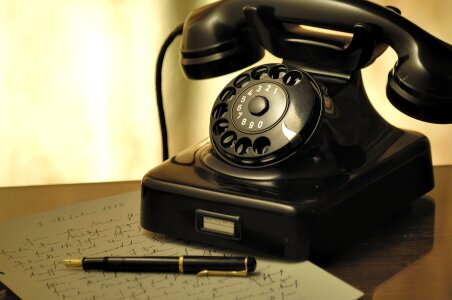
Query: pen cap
195	264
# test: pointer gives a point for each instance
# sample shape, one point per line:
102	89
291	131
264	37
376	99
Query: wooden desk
408	258
20	201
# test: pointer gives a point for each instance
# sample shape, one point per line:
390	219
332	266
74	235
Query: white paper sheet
32	248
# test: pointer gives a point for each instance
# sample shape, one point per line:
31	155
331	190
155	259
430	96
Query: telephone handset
298	160
229	35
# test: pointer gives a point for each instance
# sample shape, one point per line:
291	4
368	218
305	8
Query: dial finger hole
220	126
292	78
242	146
261	145
242	81
228	138
227	94
260	72
278	71
220	111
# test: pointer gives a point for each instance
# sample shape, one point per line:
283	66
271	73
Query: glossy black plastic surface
132	264
265	113
212	46
355	171
217	41
190	264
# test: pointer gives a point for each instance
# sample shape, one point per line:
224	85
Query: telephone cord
158	88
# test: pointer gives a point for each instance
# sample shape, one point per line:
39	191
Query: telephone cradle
298	163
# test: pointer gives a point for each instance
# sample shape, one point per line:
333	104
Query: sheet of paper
32	248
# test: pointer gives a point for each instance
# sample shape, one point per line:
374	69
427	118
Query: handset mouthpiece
421	86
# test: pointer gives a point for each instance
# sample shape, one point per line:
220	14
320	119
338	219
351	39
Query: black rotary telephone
298	161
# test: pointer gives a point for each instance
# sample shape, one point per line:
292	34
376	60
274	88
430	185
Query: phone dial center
259	107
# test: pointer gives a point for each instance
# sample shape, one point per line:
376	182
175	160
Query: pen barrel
132	264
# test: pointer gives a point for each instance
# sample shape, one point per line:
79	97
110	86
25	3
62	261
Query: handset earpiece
420	85
217	41
213	46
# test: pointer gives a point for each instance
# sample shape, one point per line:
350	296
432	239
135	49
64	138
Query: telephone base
277	213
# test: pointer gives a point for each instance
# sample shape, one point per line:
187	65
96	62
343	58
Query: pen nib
73	262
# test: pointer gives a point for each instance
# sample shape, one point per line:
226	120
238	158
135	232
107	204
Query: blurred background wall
77	101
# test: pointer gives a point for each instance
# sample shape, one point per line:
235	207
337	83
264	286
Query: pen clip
222	273
225	273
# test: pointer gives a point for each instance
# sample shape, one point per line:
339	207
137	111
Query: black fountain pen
200	265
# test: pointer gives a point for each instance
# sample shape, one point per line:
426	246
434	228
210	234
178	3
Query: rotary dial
264	113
